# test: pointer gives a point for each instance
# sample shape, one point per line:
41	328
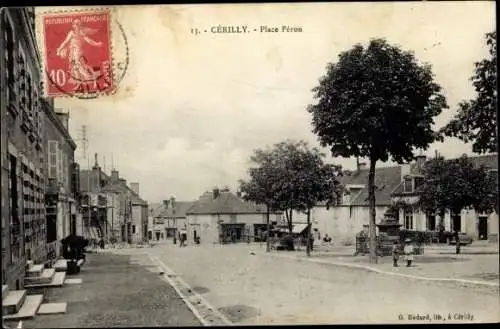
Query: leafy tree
476	120
263	185
457	184
292	176
376	102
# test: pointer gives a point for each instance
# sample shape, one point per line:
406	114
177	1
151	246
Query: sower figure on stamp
71	49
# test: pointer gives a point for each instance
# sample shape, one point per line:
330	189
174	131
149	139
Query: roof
489	161
155	208
386	180
178	211
120	187
85	179
225	203
299	228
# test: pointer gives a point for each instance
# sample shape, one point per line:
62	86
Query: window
59	164
65	172
133	229
407	185
419	181
456	222
232	218
9	56
53	147
408	217
431	221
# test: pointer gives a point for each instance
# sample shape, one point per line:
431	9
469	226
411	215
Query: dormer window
407	185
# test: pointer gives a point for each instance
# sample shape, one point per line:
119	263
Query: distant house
168	218
154	210
479	226
396	183
343	221
220	216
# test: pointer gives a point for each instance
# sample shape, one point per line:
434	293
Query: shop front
233	233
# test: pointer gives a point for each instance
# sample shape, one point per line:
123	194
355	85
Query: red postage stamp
78	53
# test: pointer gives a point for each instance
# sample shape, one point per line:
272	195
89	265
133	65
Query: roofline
231	213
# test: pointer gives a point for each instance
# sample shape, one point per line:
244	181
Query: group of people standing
182	236
408	252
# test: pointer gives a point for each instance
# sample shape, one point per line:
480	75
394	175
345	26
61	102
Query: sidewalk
479	266
115	293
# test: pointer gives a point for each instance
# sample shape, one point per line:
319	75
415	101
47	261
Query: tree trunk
371	198
290	222
308	248
268	224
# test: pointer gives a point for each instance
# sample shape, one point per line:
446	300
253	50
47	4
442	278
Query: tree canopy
291	176
376	102
476	120
457	184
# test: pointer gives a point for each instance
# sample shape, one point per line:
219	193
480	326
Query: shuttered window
53	155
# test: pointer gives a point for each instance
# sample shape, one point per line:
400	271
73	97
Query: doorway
456	221
232	233
73	224
483	228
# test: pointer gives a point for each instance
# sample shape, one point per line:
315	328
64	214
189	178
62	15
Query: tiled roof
155	208
225	203
489	161
178	211
386	180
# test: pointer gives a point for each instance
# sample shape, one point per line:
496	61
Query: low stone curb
376	270
204	312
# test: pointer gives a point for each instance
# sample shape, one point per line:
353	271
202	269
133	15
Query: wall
113	215
137	222
21	135
207	226
342	223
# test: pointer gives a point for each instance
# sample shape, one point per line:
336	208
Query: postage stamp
77	53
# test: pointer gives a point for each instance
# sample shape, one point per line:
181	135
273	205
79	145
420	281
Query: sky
190	109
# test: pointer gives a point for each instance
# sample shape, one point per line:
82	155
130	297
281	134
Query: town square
270	164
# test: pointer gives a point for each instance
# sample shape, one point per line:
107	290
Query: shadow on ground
238	313
115	293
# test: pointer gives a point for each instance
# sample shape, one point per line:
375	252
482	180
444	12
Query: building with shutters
61	172
22	156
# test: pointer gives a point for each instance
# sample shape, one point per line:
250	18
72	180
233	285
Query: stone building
61	170
221	216
22	147
36	153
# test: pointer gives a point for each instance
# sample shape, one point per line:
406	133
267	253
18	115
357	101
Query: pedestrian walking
409	251
395	253
183	237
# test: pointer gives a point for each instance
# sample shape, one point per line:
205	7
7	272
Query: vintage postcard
249	164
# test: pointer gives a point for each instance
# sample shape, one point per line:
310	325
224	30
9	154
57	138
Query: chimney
420	161
115	177
64	118
135	187
165	203
172	201
216	193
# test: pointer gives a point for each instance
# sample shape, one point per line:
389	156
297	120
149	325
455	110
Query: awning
299	228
